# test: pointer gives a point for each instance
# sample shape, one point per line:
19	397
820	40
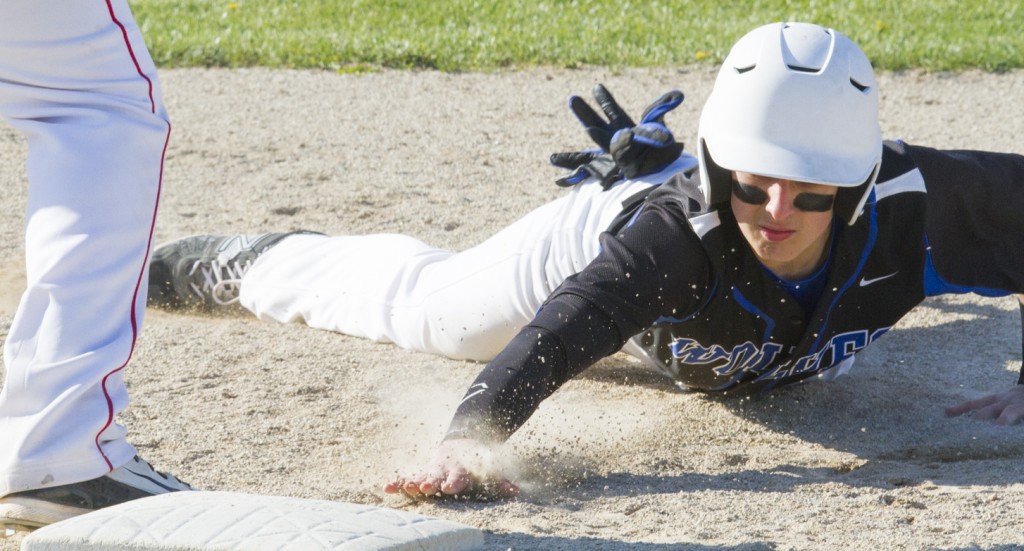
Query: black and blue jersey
681	281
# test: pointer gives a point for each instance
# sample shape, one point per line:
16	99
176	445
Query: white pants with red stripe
77	81
466	305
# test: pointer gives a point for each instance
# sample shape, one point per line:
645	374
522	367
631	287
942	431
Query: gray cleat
205	271
32	509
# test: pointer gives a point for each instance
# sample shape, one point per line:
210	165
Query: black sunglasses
806	201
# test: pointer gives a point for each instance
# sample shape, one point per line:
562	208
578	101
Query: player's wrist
476	432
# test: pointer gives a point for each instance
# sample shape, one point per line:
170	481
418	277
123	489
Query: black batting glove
600	130
649	146
635	149
584	165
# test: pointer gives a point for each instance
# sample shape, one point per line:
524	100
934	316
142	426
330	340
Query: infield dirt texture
616	460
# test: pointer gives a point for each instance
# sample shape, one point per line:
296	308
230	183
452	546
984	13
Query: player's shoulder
898	173
682	191
896	160
940	168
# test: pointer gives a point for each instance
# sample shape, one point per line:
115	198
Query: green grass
474	35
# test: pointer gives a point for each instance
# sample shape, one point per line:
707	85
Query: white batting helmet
795	101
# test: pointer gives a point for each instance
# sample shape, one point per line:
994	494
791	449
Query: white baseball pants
466	305
77	81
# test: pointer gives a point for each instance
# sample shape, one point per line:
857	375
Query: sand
617	459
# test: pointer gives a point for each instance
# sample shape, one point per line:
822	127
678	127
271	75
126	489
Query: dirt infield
618	459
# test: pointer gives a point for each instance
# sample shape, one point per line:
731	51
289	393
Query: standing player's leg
77	82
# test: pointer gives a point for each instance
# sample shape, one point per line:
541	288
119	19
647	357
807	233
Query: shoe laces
218	281
166	476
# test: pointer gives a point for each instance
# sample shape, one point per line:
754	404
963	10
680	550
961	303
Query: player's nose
780	200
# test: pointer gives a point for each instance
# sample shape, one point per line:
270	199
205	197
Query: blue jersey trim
868	247
934	285
750	307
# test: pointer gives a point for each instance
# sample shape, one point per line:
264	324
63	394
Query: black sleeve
655	267
974	221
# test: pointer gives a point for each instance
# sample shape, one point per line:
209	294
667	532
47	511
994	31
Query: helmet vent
800	69
741	70
859	86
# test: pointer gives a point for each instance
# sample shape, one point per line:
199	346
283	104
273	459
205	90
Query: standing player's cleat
205	271
32	509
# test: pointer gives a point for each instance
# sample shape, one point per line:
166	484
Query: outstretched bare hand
1003	408
459	467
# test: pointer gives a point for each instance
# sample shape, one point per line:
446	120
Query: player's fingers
617	117
667	102
457	481
506	488
398	485
585	114
428	488
971	405
957	410
988	413
573	159
1011	414
411	488
431	483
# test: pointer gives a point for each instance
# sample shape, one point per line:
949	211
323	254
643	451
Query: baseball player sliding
793	239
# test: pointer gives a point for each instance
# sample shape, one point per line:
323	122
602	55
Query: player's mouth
776	235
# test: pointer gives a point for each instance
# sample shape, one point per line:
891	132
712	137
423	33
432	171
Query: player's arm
543	356
974	227
653	267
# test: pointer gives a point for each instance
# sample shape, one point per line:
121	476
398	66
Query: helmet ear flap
850	201
717	181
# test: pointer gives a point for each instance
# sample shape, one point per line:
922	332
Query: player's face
787	223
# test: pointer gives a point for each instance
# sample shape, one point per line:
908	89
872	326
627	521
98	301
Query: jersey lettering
750	358
747	357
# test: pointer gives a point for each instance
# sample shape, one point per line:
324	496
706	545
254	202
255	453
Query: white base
186	521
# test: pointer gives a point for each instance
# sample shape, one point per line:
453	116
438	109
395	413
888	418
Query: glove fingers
664	104
602	167
644	149
638	161
585	114
654	134
617	118
601	137
645	136
572	159
624	148
574	177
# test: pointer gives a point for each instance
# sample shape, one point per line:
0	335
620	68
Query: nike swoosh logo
481	388
864	282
